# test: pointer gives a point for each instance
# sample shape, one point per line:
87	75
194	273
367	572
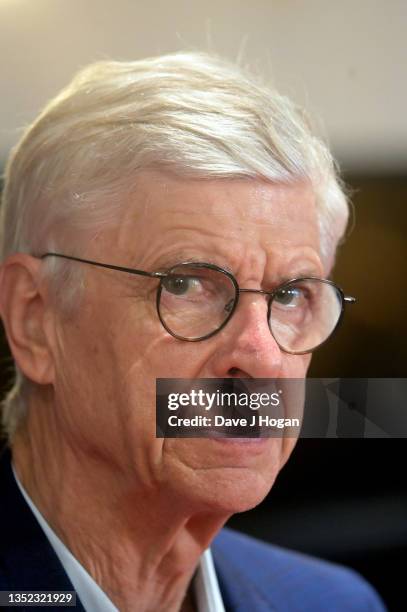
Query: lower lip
239	441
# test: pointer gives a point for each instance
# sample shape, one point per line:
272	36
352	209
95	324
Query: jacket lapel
237	578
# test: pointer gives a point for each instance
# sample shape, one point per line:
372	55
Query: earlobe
25	311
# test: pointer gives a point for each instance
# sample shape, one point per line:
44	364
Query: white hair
192	114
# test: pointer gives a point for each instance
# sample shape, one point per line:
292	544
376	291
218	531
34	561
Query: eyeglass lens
195	302
303	314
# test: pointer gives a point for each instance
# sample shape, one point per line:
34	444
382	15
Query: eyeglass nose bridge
268	294
262	291
233	303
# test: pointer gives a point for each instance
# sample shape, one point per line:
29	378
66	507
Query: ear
26	315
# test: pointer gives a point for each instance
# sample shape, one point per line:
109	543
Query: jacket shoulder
287	580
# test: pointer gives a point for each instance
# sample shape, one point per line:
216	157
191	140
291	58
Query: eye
181	285
289	296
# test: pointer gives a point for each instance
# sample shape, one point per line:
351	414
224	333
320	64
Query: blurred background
344	500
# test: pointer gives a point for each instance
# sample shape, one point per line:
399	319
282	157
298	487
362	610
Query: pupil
285	296
176	285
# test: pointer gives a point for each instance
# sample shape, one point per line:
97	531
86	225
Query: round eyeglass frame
238	290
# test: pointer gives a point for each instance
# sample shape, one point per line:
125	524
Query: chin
232	490
224	476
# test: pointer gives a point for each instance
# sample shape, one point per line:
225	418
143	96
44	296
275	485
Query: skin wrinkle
138	511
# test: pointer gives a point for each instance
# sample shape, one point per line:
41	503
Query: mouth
242	449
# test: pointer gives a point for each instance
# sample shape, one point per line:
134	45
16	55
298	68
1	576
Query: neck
138	543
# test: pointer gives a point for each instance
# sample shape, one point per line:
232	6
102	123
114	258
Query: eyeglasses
196	300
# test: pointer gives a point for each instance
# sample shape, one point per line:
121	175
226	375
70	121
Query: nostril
236	373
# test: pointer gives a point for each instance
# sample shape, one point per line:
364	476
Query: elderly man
144	194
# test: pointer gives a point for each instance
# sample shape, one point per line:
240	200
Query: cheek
85	394
295	366
287	449
158	355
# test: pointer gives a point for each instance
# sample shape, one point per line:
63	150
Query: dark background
346	499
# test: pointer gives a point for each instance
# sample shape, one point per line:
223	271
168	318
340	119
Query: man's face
110	352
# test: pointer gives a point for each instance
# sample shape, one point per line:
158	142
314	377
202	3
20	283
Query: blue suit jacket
253	577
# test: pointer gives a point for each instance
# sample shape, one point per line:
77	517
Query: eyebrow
305	273
169	261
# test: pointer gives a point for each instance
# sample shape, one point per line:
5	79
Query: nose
246	346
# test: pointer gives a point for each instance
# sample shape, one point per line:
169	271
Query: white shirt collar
207	592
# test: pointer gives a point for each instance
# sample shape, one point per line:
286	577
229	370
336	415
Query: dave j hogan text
256	421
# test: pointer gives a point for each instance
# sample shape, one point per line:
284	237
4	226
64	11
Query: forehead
166	213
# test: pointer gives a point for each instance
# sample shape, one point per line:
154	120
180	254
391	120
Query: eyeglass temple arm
346	298
109	266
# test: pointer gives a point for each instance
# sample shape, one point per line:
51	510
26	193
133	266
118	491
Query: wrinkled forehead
164	209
